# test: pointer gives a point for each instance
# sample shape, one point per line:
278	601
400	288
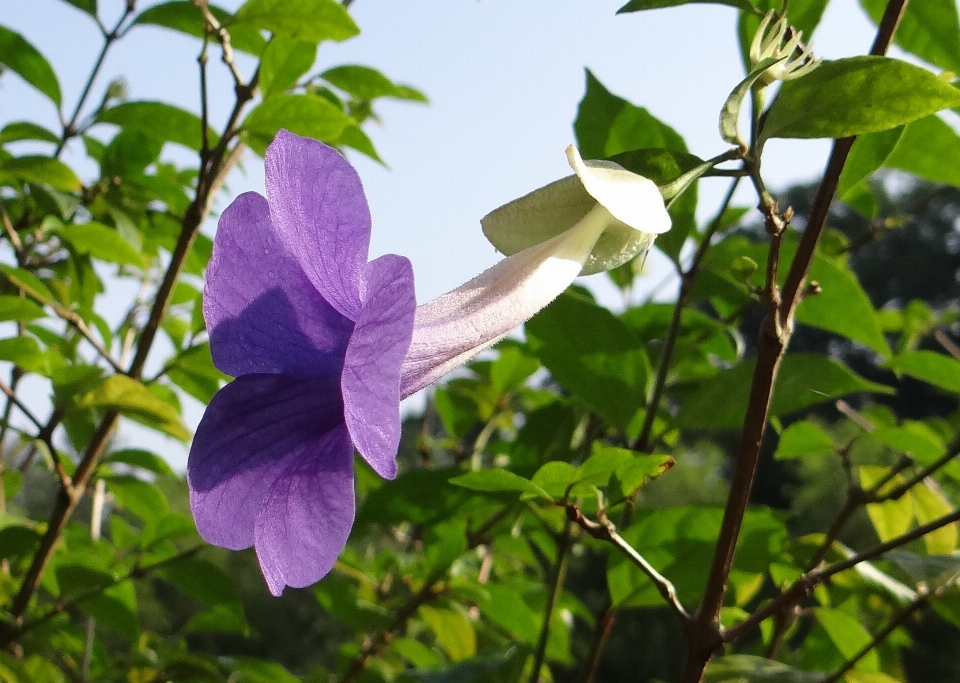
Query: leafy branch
705	637
212	170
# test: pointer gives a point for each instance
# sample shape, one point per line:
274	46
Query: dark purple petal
262	313
305	520
250	433
317	203
371	371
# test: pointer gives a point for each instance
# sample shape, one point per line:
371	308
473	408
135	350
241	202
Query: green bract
635	206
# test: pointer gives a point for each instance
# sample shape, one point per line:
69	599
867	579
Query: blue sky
504	78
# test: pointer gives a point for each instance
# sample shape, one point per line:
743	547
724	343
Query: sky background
504	78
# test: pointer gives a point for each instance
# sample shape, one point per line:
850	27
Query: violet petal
371	371
249	431
262	313
321	214
307	514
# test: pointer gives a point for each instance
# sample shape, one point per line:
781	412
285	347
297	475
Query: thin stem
70	127
895	622
605	531
601	633
644	441
810	580
12	397
563	546
137	572
377	643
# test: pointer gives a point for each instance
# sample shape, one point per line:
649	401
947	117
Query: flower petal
307	515
251	428
321	213
371	371
262	313
631	198
453	328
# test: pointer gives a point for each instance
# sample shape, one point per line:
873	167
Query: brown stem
563	546
705	637
601	633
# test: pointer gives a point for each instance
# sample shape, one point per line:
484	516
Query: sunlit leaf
855	96
25	60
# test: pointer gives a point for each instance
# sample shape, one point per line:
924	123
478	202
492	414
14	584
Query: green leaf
365	83
803	440
640	5
303	114
848	635
133	399
803	380
283	62
27	281
931	367
312	20
855	96
607	124
643	467
25	130
497	481
114	607
18	309
910	438
25	353
890	518
555	477
453	631
41	169
868	154
141	459
595	355
160	121
929	29
218	619
140	497
730	112
25	60
205	581
185	17
101	242
929	148
129	154
842	306
88	6
930	504
752	669
504	608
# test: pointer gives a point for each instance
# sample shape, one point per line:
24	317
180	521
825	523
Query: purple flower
323	344
315	336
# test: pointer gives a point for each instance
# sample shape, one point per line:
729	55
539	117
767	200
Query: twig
643	441
947	344
601	633
810	580
895	622
375	645
853	415
12	396
539	654
70	127
135	573
605	531
223	37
